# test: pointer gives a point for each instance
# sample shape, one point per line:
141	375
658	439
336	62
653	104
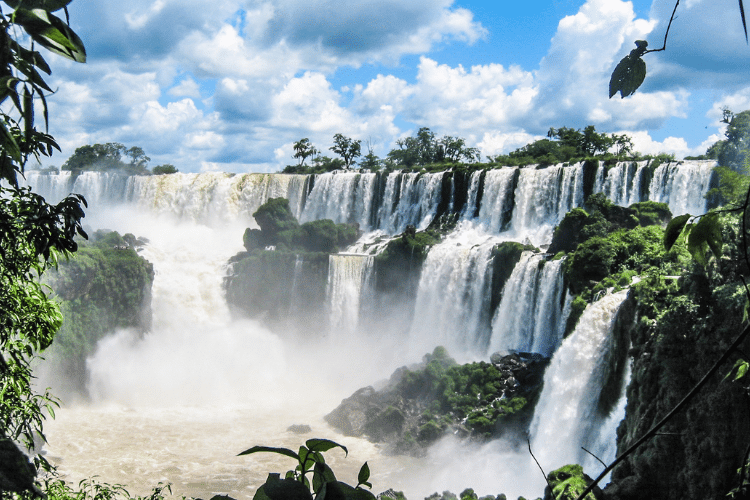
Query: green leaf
51	33
629	72
674	229
267	449
322	474
324	445
348	493
739	370
364	474
49	5
705	235
9	144
287	489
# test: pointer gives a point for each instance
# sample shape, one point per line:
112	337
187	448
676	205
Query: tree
167	168
32	232
348	149
302	150
453	149
370	161
732	152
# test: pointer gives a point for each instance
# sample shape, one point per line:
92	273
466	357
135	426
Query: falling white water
411	198
498	189
348	276
471	201
542	198
343	197
531	315
453	299
604	446
682	186
622	183
565	416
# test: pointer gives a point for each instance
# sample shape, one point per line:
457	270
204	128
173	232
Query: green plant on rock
296	484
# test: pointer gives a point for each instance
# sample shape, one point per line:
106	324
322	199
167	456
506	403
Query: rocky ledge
420	404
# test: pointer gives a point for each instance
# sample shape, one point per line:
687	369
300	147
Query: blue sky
229	85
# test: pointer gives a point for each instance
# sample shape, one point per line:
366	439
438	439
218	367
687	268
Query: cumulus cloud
231	84
706	46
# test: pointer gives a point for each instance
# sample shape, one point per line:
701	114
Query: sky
230	85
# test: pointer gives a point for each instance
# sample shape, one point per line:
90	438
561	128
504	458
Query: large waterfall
228	383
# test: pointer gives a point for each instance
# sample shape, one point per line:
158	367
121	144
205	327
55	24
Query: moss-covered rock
569	481
281	230
420	404
652	213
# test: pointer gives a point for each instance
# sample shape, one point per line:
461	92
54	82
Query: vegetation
110	157
297	485
33	233
565	145
280	229
106	286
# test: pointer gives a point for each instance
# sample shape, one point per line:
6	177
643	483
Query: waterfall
623	182
682	186
531	315
411	198
472	196
566	416
497	199
453	299
343	197
205	198
348	277
542	198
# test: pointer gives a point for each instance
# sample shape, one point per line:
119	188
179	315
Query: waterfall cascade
457	301
566	416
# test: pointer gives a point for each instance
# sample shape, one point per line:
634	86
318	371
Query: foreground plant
296	484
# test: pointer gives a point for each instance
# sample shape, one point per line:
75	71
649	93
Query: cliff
105	286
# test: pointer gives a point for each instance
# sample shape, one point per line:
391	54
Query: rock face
683	327
420	404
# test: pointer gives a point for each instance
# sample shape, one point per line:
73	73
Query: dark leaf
266	449
50	5
287	489
349	493
324	445
322	474
742	14
51	33
364	474
627	76
705	235
674	229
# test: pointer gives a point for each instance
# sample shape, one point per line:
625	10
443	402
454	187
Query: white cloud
643	143
186	88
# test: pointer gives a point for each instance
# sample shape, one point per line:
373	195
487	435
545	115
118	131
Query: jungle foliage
33	233
104	287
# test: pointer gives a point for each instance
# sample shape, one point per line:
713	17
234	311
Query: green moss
569	481
652	213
